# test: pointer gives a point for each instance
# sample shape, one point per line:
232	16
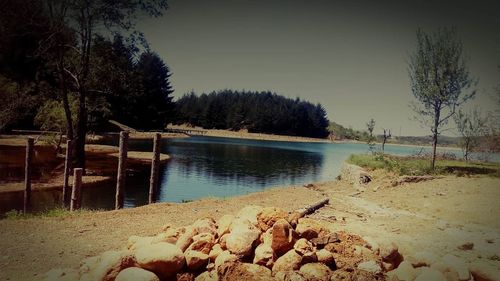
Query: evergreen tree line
258	112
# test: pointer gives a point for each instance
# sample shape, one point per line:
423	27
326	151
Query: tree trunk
434	145
81	133
67	111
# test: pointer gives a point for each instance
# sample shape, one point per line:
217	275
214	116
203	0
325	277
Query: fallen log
312	208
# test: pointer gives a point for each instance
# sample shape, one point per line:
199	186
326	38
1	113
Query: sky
350	56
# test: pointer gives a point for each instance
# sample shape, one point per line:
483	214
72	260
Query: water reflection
207	166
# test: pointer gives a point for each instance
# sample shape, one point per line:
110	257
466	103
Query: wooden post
67	171
155	167
122	166
76	192
27	175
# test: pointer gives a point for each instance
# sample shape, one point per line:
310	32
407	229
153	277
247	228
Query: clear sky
351	56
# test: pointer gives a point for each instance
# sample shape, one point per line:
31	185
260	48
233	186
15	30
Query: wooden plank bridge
189	132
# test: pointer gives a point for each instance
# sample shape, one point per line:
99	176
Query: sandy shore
244	134
101	166
437	216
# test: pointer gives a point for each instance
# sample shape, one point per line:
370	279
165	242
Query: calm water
222	167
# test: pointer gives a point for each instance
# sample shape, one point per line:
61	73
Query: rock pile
256	244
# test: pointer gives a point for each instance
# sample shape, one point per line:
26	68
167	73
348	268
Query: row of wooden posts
73	195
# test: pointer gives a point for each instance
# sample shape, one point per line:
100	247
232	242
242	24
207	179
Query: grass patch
57	212
418	166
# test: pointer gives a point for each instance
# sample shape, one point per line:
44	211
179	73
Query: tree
154	99
471	126
51	117
385	136
87	18
371	139
439	80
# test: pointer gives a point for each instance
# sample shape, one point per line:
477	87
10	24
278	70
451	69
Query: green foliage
51	213
50	116
341	132
260	112
418	166
371	139
471	125
439	77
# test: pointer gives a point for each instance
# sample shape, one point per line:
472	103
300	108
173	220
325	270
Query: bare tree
439	77
471	126
387	135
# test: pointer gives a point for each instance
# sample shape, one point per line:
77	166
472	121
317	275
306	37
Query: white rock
370	266
250	212
164	259
424	258
136	274
458	265
429	274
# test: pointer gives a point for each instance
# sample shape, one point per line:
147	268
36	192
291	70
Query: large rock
326	257
164	259
241	239
405	272
106	266
310	228
264	255
186	238
429	274
371	244
266	237
282	237
215	252
458	265
290	276
354	175
223	224
306	249
370	266
202	243
135	242
269	215
390	254
136	274
250	213
66	274
237	271
316	271
484	272
423	258
224	257
450	273
207	276
288	262
206	225
196	260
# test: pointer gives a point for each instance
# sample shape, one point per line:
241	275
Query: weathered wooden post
76	192
67	171
27	175
122	166
155	167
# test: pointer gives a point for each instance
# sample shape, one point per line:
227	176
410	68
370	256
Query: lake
223	167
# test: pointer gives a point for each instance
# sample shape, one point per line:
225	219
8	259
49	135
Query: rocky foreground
264	244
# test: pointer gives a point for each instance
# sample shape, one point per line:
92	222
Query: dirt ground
437	216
